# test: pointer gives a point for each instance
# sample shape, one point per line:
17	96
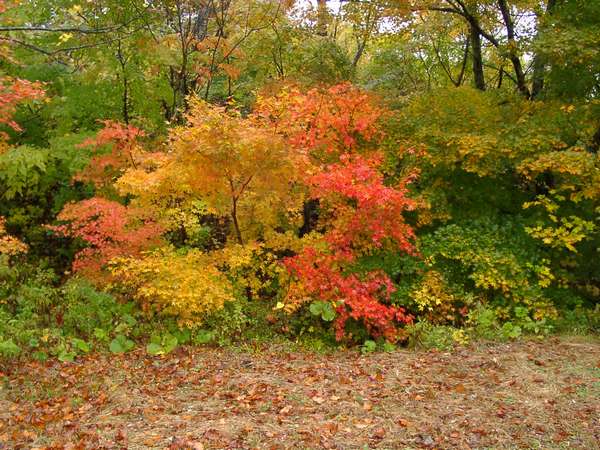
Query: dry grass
520	395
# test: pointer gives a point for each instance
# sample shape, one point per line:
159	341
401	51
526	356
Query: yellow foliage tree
235	164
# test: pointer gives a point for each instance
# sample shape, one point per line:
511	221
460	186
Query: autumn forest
299	224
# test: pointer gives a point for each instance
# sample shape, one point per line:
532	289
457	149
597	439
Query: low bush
184	285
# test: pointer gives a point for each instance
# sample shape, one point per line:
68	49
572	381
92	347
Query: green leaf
323	309
204	337
100	334
316	308
368	347
129	319
169	343
40	356
183	336
9	348
388	347
328	313
65	356
81	345
121	344
154	349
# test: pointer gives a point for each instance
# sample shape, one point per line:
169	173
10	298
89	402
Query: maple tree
363	215
124	150
108	229
325	123
14	91
238	167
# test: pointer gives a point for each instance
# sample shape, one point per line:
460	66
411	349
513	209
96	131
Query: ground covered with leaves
530	394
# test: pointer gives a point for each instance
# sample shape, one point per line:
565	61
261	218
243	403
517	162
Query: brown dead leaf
379	433
151	440
403	423
460	388
285	410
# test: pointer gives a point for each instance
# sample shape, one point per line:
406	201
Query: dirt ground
532	394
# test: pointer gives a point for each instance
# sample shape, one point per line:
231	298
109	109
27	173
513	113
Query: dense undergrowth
312	210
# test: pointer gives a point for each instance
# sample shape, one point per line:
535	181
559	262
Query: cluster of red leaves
366	210
367	215
109	229
333	121
357	297
104	167
12	92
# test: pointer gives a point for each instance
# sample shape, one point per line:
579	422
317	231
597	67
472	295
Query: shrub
85	309
426	335
10	245
364	215
41	318
498	263
187	286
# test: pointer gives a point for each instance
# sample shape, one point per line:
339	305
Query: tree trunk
512	44
463	67
322	17
310	214
539	61
125	97
236	225
477	58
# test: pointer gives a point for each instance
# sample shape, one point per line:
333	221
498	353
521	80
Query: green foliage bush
36	184
40	318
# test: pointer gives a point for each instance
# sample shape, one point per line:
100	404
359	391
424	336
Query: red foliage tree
326	122
124	150
365	215
12	92
109	230
366	212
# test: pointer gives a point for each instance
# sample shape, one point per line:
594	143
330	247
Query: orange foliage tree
237	166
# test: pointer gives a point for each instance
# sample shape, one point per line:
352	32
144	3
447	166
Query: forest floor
527	394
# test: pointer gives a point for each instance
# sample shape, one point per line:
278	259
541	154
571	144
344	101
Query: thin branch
58	30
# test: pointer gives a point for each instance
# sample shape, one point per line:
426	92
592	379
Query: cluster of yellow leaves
256	266
541	308
188	286
295	297
460	337
561	231
252	266
433	298
10	245
575	170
